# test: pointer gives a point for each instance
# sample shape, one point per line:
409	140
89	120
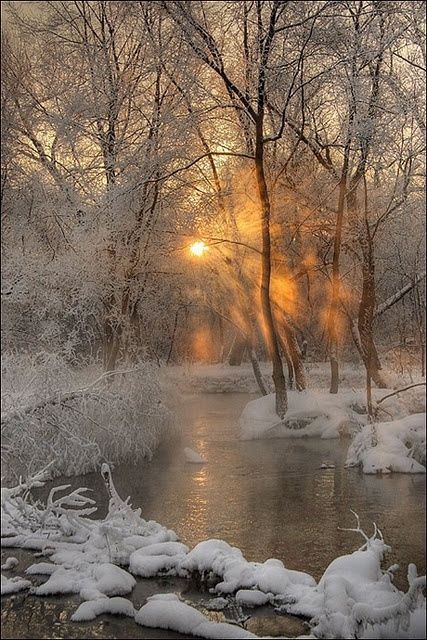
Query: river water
268	497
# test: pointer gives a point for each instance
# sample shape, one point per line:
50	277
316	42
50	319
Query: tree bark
295	356
271	336
237	350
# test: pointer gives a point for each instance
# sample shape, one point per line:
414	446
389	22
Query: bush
49	416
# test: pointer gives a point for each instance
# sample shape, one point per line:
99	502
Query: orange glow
202	345
198	248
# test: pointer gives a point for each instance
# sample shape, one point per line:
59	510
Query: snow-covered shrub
78	419
399	445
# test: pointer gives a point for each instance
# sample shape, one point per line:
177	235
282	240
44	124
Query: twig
411	386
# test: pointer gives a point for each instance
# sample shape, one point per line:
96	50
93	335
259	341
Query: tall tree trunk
335	293
257	371
271	336
368	298
366	313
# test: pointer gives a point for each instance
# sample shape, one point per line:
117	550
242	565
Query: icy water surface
267	497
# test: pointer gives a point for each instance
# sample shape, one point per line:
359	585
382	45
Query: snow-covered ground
222	378
354	598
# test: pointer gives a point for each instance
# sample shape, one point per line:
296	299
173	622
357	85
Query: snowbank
91	609
354	598
383	447
310	413
398	445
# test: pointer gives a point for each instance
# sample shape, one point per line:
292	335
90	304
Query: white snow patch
390	446
166	611
310	413
91	581
13	585
252	598
90	609
219	558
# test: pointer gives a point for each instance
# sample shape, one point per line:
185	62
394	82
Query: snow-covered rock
13	585
10	563
166	611
90	609
252	597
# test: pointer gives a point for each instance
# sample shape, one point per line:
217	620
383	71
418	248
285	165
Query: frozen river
268	497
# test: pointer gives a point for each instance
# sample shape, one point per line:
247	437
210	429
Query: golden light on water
198	248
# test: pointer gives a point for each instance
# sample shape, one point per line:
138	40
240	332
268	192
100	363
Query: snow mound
91	581
13	585
10	563
252	598
220	559
310	413
166	611
193	457
90	609
390	446
154	559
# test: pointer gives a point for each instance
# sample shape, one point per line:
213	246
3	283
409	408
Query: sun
198	248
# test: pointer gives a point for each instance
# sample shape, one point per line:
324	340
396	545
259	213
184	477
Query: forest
213	213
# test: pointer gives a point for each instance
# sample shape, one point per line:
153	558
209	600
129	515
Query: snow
252	598
10	563
150	560
219	558
192	456
398	445
166	611
90	581
13	585
310	413
89	610
390	446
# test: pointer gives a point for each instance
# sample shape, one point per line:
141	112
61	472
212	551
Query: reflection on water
267	497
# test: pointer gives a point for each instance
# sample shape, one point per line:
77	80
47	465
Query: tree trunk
237	350
335	294
365	316
285	351
271	336
295	356
257	371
